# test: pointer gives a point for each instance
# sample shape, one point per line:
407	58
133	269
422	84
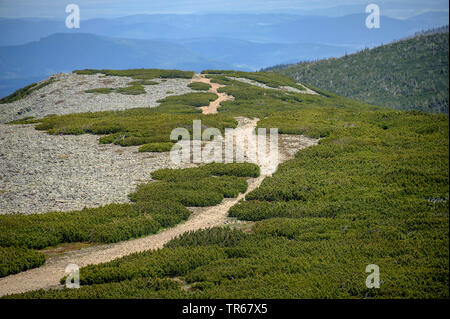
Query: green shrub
140	73
207	191
100	90
259	210
143	82
136	288
131	90
199	86
14	260
153	263
156	147
211	169
206	185
234	169
193	99
110	223
221	236
23	92
25	120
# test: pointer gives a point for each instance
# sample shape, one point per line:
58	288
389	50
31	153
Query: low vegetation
221	236
156	205
211	169
100	90
107	224
199	86
157	147
138	126
143	82
14	260
140	73
134	89
23	92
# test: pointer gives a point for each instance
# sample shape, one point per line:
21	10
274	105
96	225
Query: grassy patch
191	99
206	185
25	120
14	260
199	86
100	90
110	223
157	147
212	169
137	288
143	82
156	205
221	236
140	73
131	90
134	89
25	91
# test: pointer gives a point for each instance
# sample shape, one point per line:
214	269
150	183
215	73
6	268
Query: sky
55	9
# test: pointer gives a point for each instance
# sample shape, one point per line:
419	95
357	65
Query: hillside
356	185
407	74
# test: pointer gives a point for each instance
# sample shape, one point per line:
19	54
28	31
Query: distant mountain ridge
239	41
267	28
22	64
406	74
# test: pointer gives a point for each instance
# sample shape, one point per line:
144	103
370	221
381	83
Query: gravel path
214	105
67	95
41	172
52	271
48	276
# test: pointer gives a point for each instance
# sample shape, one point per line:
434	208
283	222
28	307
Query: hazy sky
114	8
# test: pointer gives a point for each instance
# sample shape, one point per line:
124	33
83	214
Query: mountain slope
408	74
374	191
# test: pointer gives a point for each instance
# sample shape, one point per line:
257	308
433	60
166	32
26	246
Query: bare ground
212	107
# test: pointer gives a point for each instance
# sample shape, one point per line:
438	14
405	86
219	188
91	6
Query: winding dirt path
53	270
212	107
48	275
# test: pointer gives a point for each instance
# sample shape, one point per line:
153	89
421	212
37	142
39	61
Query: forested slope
407	74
